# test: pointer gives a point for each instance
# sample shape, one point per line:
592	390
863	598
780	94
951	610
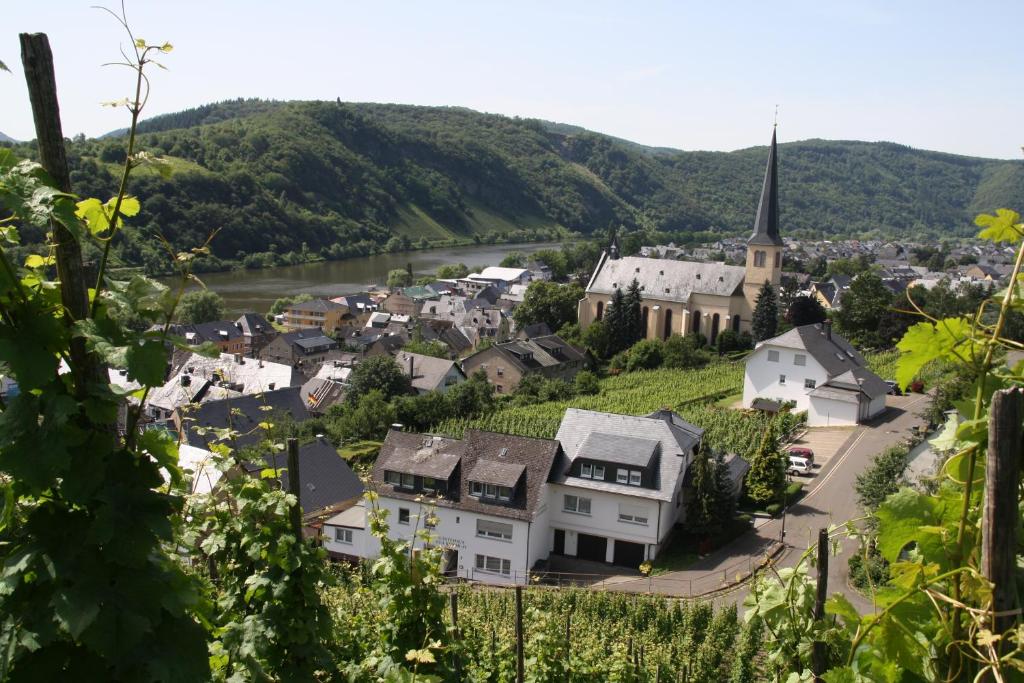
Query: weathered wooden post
37	59
294	488
999	517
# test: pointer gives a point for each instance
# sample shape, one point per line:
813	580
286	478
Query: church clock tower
764	248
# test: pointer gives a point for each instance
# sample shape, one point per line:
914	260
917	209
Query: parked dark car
894	387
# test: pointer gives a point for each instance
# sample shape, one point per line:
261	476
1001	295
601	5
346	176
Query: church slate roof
766	223
666	279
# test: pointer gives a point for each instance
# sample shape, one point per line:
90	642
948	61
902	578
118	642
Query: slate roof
536	456
253	324
537	353
842	362
666	279
308	340
325	479
215	331
315	306
428	373
497	473
619	449
243	414
766	222
251	376
676	438
418	454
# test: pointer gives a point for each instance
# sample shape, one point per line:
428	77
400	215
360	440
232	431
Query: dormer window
630	477
591	471
492	491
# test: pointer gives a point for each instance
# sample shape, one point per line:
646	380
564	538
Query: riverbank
256	289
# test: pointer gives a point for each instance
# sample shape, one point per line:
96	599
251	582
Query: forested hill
345	179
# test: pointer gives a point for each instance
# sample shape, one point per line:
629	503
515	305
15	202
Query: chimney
238	359
271	385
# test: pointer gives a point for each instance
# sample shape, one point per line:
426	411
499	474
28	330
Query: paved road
829	500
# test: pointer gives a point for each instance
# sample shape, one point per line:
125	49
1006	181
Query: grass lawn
730	400
360	451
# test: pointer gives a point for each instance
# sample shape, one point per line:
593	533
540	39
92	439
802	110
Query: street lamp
785	503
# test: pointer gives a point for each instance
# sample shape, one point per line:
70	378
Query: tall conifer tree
766	314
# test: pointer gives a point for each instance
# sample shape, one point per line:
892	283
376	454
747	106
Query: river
256	290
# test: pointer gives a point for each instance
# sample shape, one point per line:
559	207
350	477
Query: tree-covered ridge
348	179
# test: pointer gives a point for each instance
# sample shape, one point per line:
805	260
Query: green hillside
347	179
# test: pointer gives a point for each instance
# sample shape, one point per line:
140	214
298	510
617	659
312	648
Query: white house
488	493
621	492
820	371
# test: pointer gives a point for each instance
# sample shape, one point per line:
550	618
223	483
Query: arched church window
778	259
668	323
600	310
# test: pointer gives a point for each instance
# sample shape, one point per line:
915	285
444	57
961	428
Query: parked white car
800	465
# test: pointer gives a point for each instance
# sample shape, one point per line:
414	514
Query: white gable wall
761	376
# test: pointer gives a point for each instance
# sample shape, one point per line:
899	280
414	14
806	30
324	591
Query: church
680	297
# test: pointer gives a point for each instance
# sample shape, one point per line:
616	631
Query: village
599	492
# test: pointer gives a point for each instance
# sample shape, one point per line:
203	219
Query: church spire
766	224
613	248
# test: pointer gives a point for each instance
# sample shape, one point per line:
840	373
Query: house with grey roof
619	492
305	349
428	373
820	371
484	497
506	364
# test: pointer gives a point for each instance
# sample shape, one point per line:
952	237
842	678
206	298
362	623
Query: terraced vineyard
581	635
688	392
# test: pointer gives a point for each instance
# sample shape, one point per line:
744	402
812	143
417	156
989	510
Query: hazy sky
693	75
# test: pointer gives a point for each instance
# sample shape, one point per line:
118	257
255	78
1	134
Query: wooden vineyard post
999	516
453	600
294	488
819	651
37	59
520	675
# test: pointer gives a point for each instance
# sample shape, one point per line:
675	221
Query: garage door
629	554
591	547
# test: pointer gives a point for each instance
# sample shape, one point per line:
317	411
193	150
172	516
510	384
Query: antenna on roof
775	123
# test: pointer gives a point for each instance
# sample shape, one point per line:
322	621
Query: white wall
825	412
877	406
542	538
363	543
603	519
457	529
761	376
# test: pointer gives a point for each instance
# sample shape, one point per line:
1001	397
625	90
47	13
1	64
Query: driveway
830	499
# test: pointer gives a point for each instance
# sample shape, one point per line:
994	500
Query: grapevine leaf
840	606
925	342
956	468
901	518
94	214
129	206
946	440
840	675
37	261
164	449
75	611
1004	226
147	362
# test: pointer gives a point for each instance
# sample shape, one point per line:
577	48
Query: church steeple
613	248
766	224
